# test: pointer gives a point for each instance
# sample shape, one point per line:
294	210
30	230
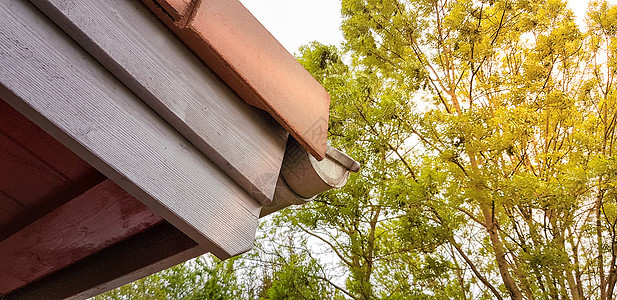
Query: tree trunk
500	254
600	242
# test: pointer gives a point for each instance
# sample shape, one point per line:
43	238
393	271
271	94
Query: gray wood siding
247	143
50	79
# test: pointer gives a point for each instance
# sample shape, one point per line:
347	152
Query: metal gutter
303	177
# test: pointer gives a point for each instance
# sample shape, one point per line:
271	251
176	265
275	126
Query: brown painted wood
97	219
154	250
41	144
37	173
26	178
9	209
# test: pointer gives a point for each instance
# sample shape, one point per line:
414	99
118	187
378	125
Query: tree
202	278
485	129
288	269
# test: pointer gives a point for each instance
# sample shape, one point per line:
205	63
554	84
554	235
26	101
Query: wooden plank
226	36
97	219
37	173
24	176
41	144
154	250
10	208
27	186
62	89
244	141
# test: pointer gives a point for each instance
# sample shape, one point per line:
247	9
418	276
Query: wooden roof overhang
122	154
231	41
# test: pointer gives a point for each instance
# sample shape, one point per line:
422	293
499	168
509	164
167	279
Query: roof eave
232	42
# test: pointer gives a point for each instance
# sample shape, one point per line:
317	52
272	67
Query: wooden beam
154	250
226	36
97	219
25	133
47	77
31	187
38	174
245	142
24	177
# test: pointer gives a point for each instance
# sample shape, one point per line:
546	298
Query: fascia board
48	78
231	41
130	42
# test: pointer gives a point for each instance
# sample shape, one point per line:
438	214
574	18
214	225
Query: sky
297	22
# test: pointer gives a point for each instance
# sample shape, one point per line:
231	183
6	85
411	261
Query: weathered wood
97	219
154	250
129	41
47	77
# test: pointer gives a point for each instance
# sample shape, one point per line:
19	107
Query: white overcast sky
298	22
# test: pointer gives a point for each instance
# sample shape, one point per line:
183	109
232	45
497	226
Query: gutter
236	46
303	177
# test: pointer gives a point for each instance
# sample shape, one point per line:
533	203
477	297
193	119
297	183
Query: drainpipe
303	177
